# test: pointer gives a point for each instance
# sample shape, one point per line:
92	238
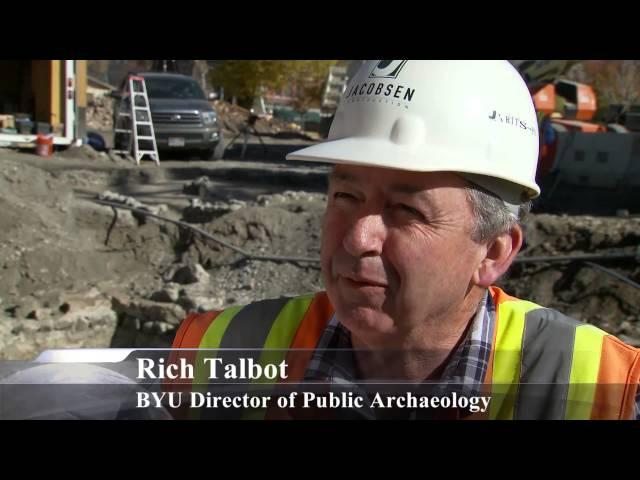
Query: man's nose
365	237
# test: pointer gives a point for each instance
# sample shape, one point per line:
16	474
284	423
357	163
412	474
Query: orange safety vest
543	365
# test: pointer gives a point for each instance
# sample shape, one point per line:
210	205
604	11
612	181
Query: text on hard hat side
512	120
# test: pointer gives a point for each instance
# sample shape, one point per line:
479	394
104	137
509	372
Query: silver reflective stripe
251	325
547	350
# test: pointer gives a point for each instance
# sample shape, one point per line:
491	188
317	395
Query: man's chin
365	321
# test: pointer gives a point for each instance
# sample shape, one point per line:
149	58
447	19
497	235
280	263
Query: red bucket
44	145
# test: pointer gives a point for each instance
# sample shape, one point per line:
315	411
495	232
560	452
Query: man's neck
420	354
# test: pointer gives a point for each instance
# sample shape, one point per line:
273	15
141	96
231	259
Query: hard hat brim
385	154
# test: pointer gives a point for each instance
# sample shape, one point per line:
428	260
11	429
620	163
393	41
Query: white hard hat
466	116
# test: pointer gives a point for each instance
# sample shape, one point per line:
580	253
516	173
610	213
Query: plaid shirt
333	360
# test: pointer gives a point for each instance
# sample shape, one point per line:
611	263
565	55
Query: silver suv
183	118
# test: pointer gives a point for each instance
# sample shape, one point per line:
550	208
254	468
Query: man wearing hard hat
435	164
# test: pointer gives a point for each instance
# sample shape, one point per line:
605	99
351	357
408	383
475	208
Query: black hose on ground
585	257
622	278
244	253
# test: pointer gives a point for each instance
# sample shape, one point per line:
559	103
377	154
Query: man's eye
343	195
411	211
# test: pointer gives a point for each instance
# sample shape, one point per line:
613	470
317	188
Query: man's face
396	248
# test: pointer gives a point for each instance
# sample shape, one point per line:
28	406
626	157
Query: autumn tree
310	77
616	82
244	78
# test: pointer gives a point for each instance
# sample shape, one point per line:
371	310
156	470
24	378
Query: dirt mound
53	244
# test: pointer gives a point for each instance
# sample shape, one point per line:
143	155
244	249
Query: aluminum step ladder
134	119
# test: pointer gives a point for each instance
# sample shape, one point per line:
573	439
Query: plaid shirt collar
333	359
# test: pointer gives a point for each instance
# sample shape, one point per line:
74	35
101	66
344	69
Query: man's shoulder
532	308
256	315
282	301
542	321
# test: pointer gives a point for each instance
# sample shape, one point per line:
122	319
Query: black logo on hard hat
512	120
387	69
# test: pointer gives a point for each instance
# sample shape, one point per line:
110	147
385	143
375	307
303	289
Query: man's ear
500	254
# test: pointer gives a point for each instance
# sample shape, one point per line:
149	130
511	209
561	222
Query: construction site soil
76	273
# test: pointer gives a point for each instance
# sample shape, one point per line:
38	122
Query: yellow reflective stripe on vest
284	328
507	357
211	339
585	366
287	323
278	341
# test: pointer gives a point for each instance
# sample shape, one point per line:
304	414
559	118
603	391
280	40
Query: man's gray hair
491	216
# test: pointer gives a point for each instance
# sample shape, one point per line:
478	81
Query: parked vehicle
183	118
